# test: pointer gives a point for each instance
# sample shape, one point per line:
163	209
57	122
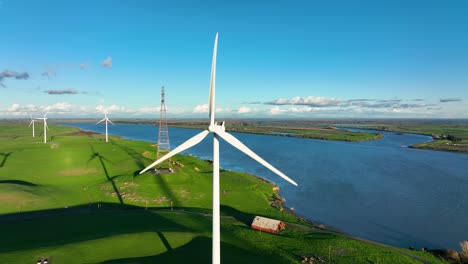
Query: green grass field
312	133
316	132
78	199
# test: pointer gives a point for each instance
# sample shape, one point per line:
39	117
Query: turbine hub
212	128
217	128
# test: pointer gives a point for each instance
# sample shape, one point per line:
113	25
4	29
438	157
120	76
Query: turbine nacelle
217	128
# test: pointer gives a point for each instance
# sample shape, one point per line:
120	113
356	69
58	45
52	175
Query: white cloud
14	108
309	101
292	110
205	109
65	108
107	63
60	108
113	109
220	110
201	108
149	110
276	110
300	109
244	110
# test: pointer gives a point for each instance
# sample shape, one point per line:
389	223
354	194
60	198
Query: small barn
267	224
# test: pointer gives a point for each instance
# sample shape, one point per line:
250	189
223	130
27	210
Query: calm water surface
378	190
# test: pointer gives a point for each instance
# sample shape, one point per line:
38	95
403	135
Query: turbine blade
240	146
187	144
213	82
46	114
46	126
110	121
100	121
30	123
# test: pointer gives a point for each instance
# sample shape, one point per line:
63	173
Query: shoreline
310	222
288	210
428	145
275	131
288	133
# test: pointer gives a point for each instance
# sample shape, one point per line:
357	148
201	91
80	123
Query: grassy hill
78	199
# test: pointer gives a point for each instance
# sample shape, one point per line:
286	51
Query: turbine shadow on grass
92	223
104	168
5	157
166	189
188	253
240	216
164	240
198	250
18	182
137	157
50	228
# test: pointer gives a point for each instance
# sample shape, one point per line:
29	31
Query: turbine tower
45	126
107	120
163	135
218	131
32	123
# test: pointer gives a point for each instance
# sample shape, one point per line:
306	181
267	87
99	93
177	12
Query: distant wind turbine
107	120
218	131
32	123
45	126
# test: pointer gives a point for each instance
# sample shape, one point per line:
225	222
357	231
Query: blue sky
275	58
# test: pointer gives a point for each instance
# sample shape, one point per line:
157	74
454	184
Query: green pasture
321	133
449	137
78	199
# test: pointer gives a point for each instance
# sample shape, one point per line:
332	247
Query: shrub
464	251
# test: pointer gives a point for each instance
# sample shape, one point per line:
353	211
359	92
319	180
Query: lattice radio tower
163	137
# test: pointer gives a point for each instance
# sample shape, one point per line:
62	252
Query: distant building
267	224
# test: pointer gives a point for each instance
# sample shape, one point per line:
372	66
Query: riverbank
310	129
447	137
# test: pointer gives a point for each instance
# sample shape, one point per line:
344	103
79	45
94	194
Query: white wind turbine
107	120
32	123
45	126
218	131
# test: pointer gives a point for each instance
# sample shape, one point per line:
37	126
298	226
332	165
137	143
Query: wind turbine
218	131
45	126
107	120
32	123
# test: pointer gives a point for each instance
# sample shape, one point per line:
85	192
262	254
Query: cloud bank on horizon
294	107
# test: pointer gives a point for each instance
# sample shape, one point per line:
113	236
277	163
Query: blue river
378	190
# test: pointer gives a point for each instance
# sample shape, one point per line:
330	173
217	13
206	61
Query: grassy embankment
77	199
318	132
448	137
313	129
